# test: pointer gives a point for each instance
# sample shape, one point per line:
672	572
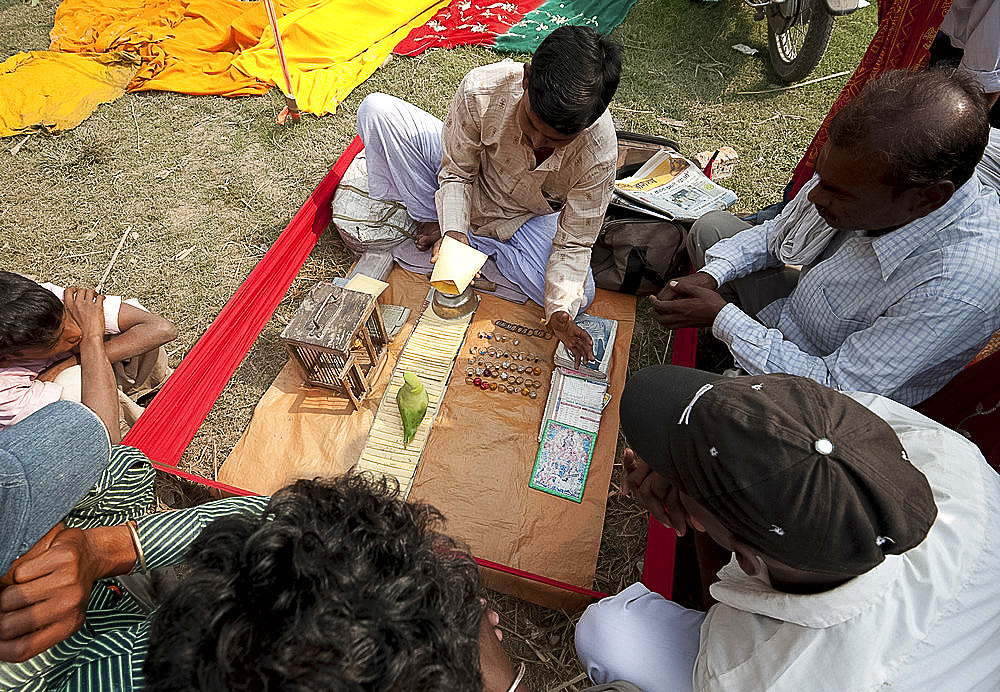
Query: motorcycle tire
797	51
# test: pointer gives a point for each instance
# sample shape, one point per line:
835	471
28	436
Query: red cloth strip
464	23
661	541
225	487
489	564
906	30
174	416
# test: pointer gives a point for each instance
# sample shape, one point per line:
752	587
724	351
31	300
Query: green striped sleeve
166	537
124	491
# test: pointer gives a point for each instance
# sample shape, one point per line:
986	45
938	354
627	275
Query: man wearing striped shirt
897	239
327	585
47	589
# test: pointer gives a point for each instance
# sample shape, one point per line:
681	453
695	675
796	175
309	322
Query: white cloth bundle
800	234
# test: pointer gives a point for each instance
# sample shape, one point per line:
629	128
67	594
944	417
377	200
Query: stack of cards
570	423
430	354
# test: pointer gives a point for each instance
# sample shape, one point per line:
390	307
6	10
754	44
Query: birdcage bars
338	340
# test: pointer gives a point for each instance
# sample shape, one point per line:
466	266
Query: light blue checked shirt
898	315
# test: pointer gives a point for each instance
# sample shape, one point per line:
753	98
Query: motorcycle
798	32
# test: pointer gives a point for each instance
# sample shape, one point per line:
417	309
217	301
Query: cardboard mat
478	457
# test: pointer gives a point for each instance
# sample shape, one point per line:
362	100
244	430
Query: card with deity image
563	461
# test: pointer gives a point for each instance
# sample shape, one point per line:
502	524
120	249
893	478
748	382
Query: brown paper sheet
478	459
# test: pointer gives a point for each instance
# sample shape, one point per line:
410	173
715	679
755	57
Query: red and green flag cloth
511	25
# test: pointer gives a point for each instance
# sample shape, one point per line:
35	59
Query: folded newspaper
673	186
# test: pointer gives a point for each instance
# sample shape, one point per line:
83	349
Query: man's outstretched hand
690	301
576	340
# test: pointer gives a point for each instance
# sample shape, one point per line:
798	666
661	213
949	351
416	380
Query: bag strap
647	139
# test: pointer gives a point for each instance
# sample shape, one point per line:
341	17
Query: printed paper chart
430	354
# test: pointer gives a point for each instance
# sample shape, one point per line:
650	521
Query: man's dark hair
339	585
929	125
573	76
30	315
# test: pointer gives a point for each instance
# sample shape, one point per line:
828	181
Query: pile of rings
494	368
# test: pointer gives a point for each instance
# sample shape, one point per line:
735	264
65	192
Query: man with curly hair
327	585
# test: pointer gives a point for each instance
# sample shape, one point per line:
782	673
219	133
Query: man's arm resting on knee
46	592
914	336
141	332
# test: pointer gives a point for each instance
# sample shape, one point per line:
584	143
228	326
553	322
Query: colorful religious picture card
563	461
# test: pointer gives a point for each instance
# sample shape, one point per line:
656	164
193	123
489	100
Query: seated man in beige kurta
521	168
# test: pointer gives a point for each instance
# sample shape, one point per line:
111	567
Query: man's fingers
659	305
23	648
688	289
22	622
628	466
55	558
675	510
665	293
655	493
21	596
37	549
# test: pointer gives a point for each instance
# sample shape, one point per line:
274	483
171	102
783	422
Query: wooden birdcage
338	340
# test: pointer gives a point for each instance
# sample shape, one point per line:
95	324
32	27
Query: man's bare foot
428	233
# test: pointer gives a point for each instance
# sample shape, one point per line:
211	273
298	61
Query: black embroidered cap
803	473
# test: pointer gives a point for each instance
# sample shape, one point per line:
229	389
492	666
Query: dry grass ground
201	186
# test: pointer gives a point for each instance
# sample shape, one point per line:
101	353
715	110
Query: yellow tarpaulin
33	89
221	47
333	46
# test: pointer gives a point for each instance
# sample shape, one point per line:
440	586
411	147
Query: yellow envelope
456	266
366	284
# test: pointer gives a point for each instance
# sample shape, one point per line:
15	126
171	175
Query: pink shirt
21	393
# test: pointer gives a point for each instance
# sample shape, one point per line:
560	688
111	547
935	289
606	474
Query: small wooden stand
338	340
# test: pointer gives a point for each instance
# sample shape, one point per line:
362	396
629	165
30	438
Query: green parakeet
412	402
